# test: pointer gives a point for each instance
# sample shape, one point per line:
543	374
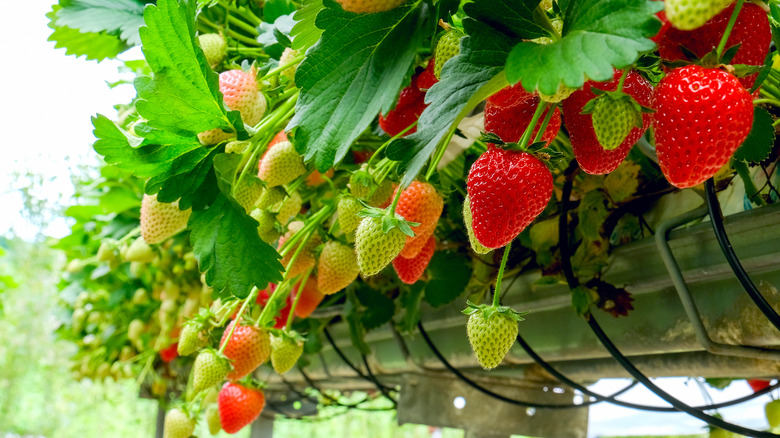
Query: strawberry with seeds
161	220
420	202
248	348
411	103
337	267
509	112
410	270
209	369
286	348
241	93
239	406
178	424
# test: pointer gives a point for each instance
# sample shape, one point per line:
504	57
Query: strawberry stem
545	122
438	156
285	66
622	79
301	285
385	144
132	233
312	222
497	289
237	320
534	120
395	201
729	27
750	187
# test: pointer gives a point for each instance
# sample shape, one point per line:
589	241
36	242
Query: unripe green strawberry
376	249
337	267
191	339
348	209
178	424
160	220
240	92
265	220
475	245
492	331
108	251
613	120
139	251
447	48
248	192
271	197
236	147
362	185
691	14
212	418
306	259
209	369
214	47
369	6
134	331
287	56
285	351
289	208
772	411
281	165
562	93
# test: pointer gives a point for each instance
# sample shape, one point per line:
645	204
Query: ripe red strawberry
508	190
751	31
214	47
311	297
508	113
411	103
178	424
285	351
410	270
427	78
280	320
306	259
281	165
590	155
492	331
209	369
248	347
240	92
702	116
758	384
239	406
337	267
419	203
376	249
160	220
170	352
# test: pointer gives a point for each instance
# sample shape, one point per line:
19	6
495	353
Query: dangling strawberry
348	209
281	165
310	298
248	347
241	92
280	320
239	406
508	190
410	270
178	424
467	221
214	47
420	202
492	331
447	48
337	267
160	220
209	369
411	103
702	116
306	258
688	15
286	348
751	31
590	155
509	112
379	239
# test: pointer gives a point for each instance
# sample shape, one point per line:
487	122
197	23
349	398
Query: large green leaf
305	32
353	72
379	308
228	249
183	96
115	17
598	35
759	143
449	274
92	45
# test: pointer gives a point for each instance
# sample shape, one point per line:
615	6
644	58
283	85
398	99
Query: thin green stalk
534	120
285	66
249	15
132	233
541	18
622	79
302	285
729	27
545	122
769	101
209	23
438	156
387	143
312	222
237	320
238	37
282	288
750	187
243	26
497	290
395	201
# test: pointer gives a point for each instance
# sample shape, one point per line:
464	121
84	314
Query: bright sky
47	101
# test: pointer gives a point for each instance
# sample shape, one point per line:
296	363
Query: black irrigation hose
716	218
503	398
356	405
638	375
344	358
611	399
611	348
378	385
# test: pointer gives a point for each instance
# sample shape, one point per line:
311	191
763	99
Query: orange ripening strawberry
248	348
702	116
239	406
507	190
311	297
420	202
590	155
410	270
509	112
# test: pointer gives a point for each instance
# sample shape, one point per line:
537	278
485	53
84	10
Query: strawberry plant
310	146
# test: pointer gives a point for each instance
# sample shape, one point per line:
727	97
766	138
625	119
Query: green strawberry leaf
176	167
592	212
467	79
597	36
449	273
758	145
92	45
305	33
581	299
379	308
183	95
229	251
350	75
273	9
120	18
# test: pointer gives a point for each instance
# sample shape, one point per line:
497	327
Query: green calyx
389	219
489	309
